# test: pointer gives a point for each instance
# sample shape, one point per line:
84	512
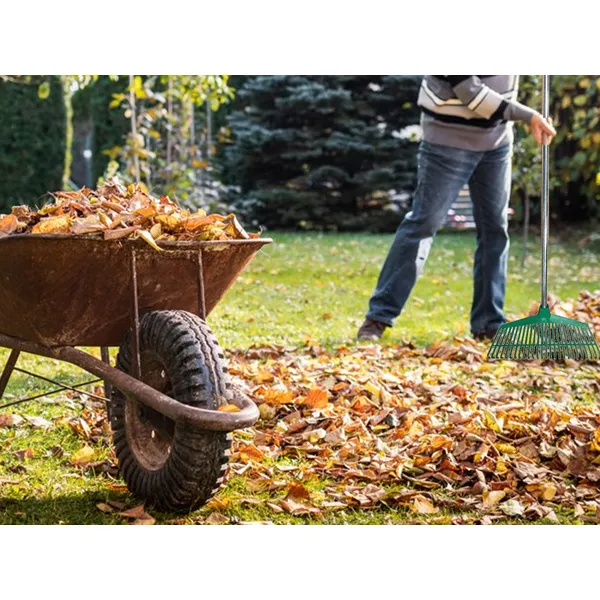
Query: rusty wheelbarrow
59	292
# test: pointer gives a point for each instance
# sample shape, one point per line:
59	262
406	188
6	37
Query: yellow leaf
147	237
501	466
491	421
169	222
83	456
229	408
278	396
492	498
53	225
263	375
506	448
374	390
549	491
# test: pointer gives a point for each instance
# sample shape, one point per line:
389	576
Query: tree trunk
136	158
208	130
169	122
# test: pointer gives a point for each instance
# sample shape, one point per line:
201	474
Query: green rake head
544	336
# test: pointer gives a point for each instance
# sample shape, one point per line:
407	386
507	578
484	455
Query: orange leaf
52	225
8	224
250	452
194	223
275	396
263	375
298	492
317	398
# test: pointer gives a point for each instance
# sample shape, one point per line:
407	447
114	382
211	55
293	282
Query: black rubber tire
172	466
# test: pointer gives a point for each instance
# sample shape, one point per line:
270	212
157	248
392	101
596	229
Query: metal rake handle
545	191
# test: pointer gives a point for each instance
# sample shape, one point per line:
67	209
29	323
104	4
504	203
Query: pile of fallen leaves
438	432
431	430
114	211
586	309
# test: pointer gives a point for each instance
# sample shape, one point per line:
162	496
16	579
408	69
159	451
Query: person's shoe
371	330
485	334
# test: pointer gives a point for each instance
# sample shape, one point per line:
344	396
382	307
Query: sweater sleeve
487	103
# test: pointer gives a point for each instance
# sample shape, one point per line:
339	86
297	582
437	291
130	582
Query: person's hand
539	127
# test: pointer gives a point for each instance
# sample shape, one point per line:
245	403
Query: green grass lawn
304	285
318	285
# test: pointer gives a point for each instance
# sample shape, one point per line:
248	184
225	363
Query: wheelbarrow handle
211	420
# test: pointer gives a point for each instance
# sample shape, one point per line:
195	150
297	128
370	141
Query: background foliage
34	130
296	152
324	152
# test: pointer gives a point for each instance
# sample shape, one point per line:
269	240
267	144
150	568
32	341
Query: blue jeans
442	172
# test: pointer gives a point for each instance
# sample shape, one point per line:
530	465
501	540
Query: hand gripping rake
544	336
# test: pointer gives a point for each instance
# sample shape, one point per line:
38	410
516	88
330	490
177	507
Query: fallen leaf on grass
218	503
9	420
249	452
512	508
216	518
105	508
23	454
83	456
139	514
147	520
492	498
38	422
298	508
297	491
423	506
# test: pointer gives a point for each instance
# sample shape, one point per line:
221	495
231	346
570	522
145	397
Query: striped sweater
473	112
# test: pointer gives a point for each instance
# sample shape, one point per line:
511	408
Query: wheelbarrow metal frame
130	385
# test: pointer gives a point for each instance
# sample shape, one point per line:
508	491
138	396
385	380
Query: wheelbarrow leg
8	369
106	358
135	317
201	296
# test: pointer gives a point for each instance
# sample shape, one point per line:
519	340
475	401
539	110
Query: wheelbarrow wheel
172	466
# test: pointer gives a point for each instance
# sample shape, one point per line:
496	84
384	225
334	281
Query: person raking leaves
467	123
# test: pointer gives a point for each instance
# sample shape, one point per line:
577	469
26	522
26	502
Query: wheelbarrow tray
60	290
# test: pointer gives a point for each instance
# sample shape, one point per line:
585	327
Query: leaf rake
544	336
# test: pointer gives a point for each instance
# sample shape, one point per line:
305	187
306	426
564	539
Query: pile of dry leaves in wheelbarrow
114	211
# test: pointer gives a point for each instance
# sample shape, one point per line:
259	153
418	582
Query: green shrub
323	152
33	141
